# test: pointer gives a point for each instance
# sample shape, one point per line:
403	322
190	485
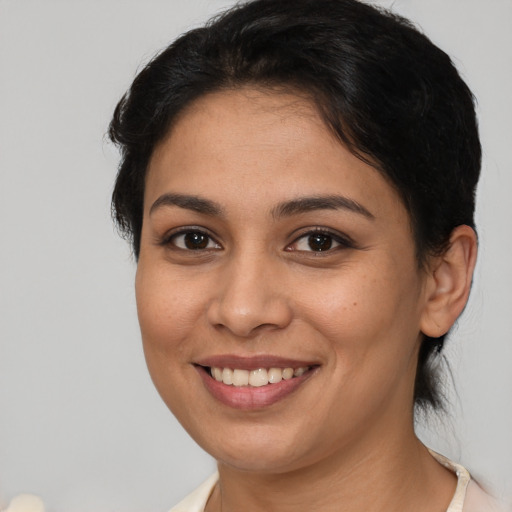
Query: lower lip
249	397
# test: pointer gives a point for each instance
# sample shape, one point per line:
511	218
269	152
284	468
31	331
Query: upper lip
252	362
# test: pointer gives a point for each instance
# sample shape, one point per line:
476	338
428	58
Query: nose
250	299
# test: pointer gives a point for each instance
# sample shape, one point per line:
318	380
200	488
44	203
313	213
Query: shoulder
469	496
196	500
477	500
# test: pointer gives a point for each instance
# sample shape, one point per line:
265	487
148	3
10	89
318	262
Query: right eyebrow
188	202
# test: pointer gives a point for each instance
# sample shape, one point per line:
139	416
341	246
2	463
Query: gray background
80	423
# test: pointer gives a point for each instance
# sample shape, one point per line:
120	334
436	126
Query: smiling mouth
253	383
255	378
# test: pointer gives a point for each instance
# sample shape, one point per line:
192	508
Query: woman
298	181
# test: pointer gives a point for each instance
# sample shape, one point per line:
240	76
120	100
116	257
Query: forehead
244	119
260	144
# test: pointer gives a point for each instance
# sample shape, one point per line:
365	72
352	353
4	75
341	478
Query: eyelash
342	242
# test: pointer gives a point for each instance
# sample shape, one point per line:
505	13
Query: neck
394	473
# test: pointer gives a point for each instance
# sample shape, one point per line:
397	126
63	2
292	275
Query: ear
449	283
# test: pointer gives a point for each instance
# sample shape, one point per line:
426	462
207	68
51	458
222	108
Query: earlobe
449	283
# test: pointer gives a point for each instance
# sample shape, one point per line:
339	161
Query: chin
264	449
257	461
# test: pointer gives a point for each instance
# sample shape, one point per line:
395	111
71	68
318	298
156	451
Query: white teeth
258	377
255	378
227	376
287	373
240	377
275	375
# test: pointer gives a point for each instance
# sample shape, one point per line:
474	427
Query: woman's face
269	248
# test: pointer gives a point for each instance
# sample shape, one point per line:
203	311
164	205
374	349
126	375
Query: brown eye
194	241
319	242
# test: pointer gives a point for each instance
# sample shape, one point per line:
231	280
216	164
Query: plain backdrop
80	423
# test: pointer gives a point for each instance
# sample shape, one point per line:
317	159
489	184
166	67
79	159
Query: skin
357	310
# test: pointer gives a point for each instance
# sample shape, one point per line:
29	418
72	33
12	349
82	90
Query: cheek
166	317
167	310
363	310
371	330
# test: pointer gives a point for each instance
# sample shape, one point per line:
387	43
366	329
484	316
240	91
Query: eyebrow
308	204
189	202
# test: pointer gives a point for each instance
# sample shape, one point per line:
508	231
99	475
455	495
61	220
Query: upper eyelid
336	235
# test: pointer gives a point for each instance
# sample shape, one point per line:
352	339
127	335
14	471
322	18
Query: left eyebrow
308	204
